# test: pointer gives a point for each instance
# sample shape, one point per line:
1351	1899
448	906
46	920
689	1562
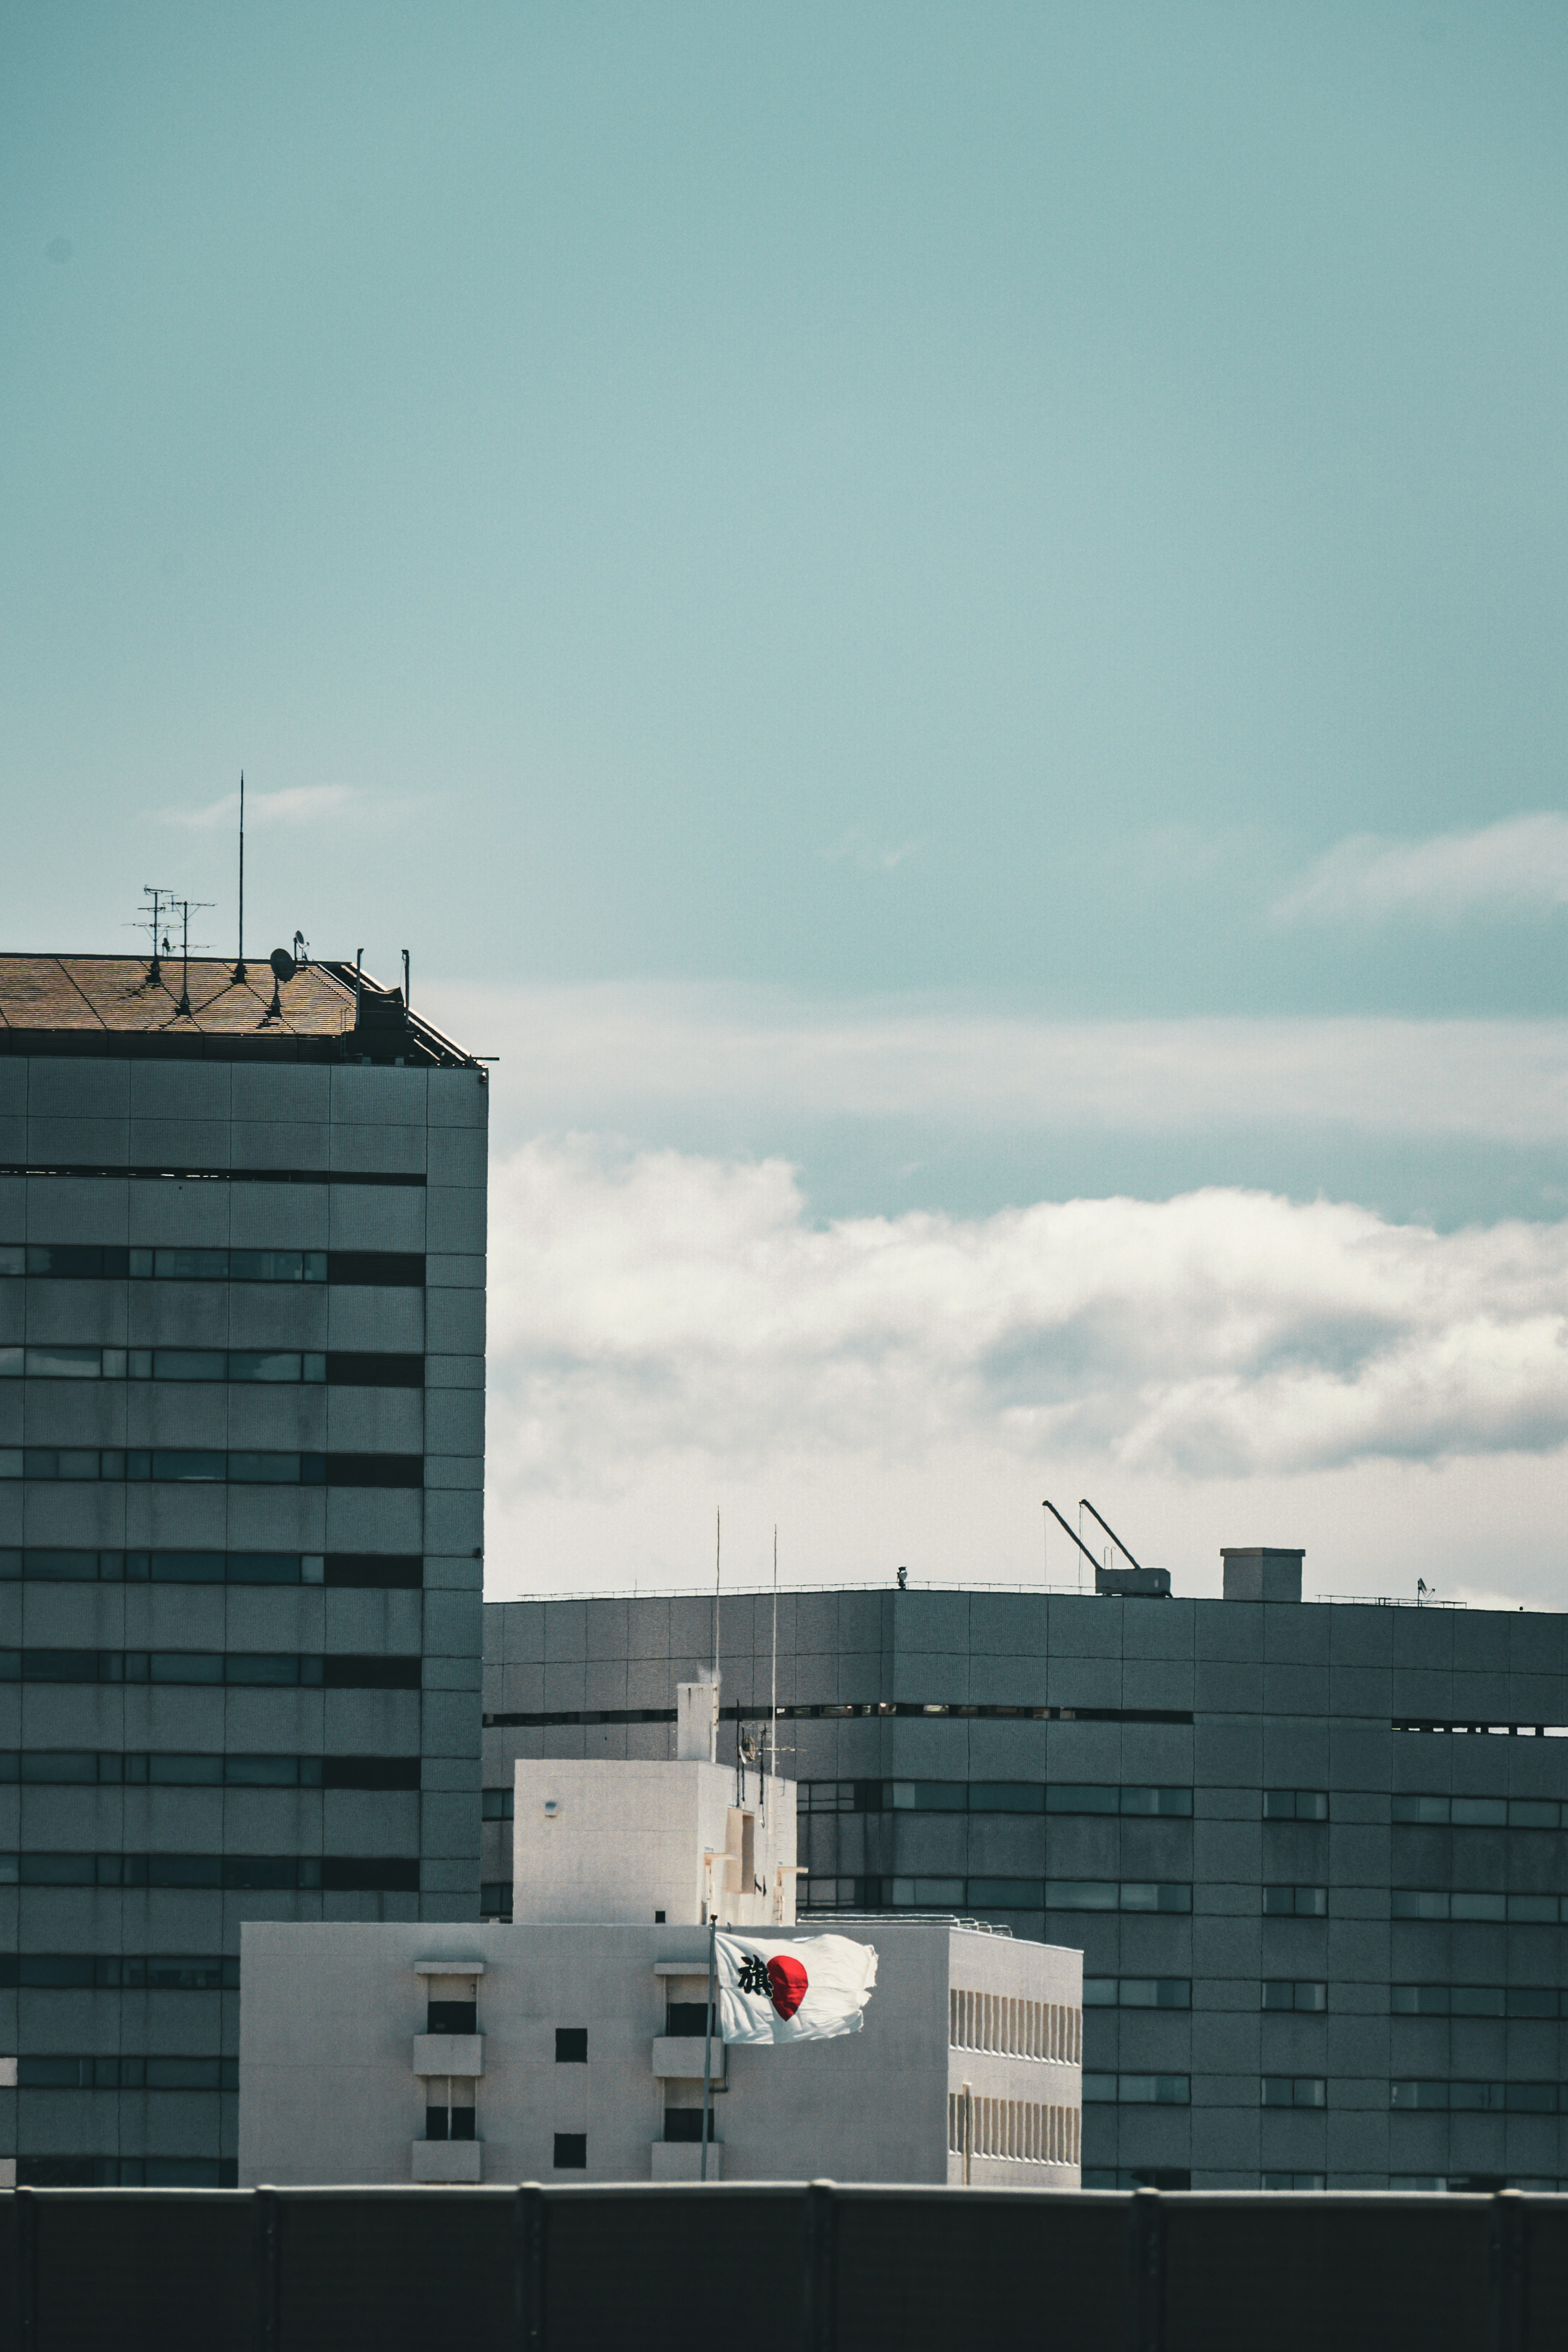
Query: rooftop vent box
1135	1583
1257	1572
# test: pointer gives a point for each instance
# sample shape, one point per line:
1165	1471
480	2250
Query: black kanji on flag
754	1975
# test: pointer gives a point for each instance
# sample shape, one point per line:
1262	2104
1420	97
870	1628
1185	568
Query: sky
943	626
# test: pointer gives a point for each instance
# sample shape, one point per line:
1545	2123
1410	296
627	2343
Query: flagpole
707	2041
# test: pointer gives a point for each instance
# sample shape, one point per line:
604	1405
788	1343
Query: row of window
987	1796
180	1464
824	1711
397	1571
1484	2098
1016	2028
61	1768
1060	1797
246	1872
349	1368
90	1262
119	1972
1011	2131
127	2073
1312	2091
127	2172
1308	1996
1438	1903
978	1895
1285	1902
271	1670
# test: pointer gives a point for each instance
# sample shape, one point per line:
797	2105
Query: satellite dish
283	964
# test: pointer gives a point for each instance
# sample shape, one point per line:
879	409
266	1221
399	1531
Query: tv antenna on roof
154	920
182	1010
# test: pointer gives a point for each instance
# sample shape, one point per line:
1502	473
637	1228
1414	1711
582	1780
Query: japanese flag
769	1991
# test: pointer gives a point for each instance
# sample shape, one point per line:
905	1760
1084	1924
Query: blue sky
1027	538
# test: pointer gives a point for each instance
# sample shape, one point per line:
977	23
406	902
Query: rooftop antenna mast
773	1696
148	923
182	1010
239	967
718	1536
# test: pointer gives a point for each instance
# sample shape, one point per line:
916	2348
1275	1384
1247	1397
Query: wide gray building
1315	1855
242	1254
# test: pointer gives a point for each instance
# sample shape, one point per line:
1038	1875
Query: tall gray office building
242	1266
1315	1854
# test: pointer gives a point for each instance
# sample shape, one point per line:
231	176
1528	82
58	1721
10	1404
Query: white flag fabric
774	1991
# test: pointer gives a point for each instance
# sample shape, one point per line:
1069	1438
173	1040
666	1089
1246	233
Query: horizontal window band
1137	2090
180	1465
1137	1992
222	1873
939	1893
1127	1800
1510	1730
398	1571
336	1367
230	1669
46	1767
533	1719
1478	2098
128	2173
113	1262
1476	2001
104	1172
42	2073
1458	1904
119	1972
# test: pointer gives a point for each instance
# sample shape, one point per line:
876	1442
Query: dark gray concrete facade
241	1553
1318	1948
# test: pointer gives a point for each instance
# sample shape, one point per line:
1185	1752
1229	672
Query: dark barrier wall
788	2269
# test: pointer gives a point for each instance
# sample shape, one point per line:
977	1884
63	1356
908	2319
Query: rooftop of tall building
119	1005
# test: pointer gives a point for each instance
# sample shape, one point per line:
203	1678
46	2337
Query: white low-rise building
570	2043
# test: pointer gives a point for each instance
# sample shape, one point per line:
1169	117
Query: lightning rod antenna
239	966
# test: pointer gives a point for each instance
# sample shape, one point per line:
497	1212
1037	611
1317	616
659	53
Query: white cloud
603	1056
295	805
858	847
667	1309
1521	862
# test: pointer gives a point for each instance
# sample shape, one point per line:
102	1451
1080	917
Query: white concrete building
571	2043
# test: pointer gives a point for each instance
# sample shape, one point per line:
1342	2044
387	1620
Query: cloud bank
296	805
598	1055
1519	864
670	1308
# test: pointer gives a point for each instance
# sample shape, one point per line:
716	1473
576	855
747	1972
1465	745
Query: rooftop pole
707	2036
239	967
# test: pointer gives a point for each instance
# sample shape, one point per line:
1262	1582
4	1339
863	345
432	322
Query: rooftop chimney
1258	1572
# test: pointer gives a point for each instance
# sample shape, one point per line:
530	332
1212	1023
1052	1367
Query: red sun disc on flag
786	1979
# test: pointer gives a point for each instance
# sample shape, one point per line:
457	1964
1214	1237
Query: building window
1295	1902
452	2017
1295	2180
1137	1992
687	2019
496	1898
571	2151
1293	2091
1109	1895
1152	2176
1295	1805
1137	2090
683	2126
495	1804
1294	1992
571	2045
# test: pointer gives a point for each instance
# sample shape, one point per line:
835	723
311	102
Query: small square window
571	2151
462	2123
571	2045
